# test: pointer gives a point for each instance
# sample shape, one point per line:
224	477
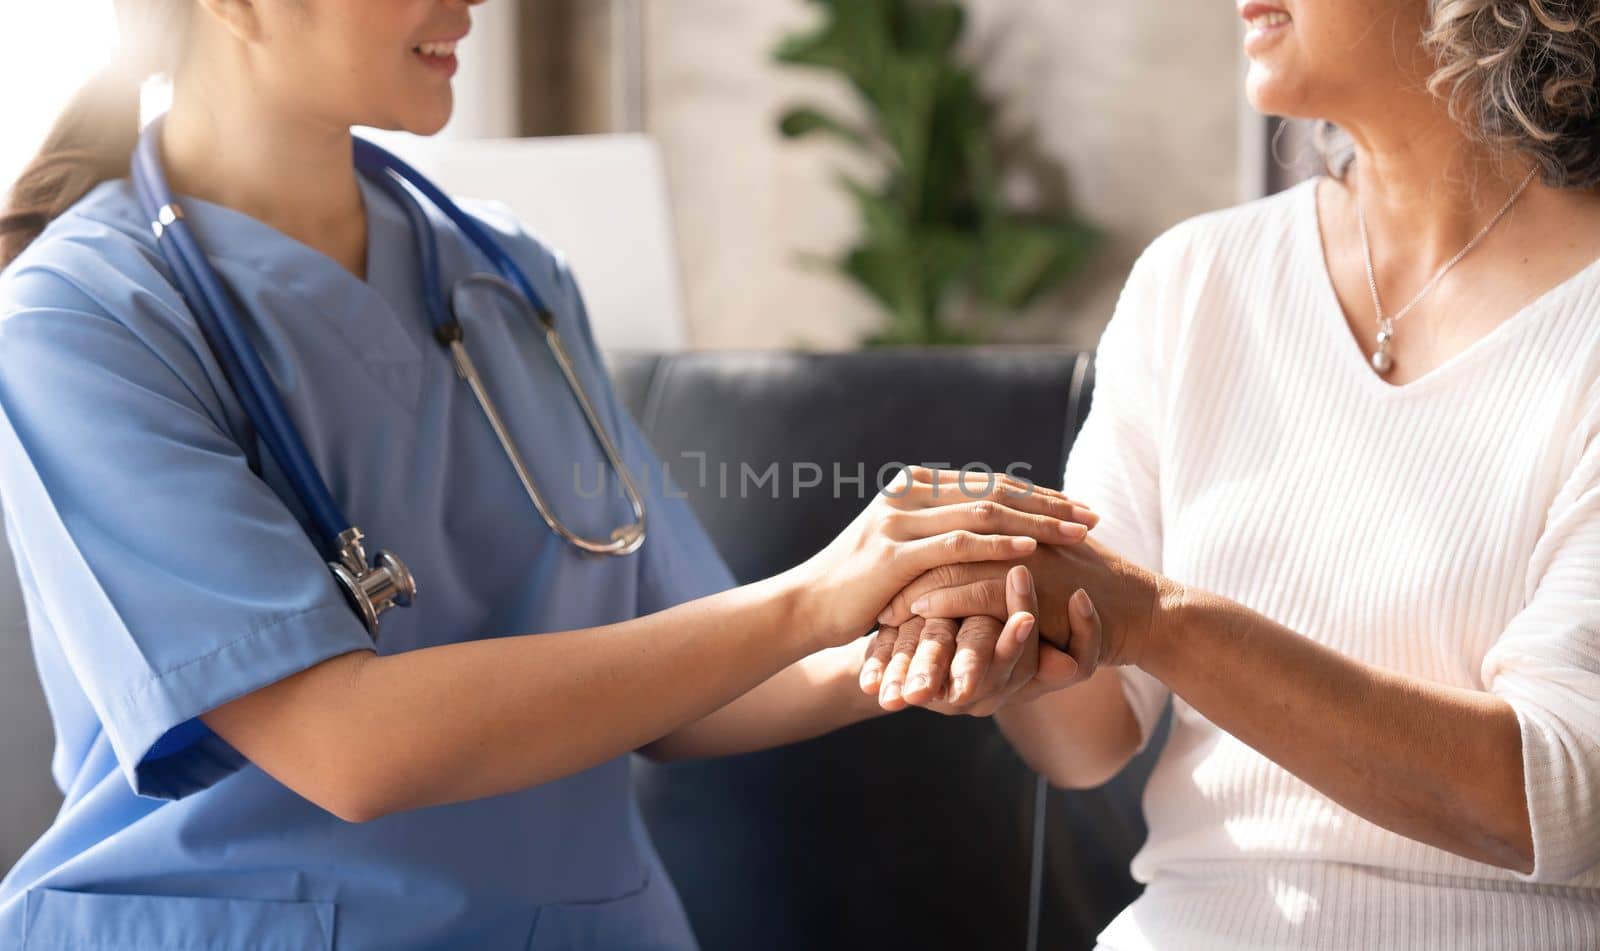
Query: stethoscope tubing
241	363
370	158
390	173
258	395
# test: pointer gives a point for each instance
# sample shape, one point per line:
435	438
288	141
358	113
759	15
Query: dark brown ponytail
91	141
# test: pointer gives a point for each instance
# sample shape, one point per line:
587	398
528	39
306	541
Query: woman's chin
1272	96
427	118
431	125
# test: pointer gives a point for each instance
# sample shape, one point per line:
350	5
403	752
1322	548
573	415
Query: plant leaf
1024	259
933	27
802	121
884	217
936	226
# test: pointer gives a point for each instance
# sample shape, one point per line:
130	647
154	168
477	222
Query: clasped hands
1003	624
970	581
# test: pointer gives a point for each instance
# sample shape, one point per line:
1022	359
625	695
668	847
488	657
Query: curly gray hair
1520	76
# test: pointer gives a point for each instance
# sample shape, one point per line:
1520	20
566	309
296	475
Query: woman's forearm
365	735
1438	764
813	696
1076	738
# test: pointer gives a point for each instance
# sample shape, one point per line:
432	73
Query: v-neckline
257	249
1360	363
383	333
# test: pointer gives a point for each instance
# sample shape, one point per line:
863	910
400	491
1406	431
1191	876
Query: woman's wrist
1153	645
1140	616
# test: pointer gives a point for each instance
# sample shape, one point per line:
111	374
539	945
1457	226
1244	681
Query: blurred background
1107	123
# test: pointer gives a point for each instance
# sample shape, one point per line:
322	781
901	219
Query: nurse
243	767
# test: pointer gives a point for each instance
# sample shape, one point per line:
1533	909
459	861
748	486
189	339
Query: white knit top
1449	529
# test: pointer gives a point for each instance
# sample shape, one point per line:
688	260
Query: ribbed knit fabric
1448	529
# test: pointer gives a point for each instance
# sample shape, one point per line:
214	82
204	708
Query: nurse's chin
420	122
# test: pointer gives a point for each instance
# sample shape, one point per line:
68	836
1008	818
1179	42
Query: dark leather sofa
915	830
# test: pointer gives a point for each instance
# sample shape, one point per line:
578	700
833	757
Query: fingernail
916	683
1025	630
920	605
871	673
1022	582
958	686
891	693
1022	544
1074	530
1082	604
883	618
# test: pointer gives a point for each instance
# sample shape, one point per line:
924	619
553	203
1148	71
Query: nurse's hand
1124	598
971	667
925	519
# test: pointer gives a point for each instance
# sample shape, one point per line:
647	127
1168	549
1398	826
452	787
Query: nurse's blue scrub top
163	577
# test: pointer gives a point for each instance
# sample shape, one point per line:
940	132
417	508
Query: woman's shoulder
1209	266
94	279
1202	276
86	258
1236	231
541	259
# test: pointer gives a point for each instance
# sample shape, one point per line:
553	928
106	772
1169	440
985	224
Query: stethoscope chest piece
371	587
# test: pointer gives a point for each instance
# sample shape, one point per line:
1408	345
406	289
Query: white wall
1139	100
486	95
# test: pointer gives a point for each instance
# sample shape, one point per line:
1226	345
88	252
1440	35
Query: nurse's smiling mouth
439	54
1267	23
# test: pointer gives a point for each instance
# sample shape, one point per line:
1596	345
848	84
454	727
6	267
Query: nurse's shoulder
103	233
98	258
92	287
544	264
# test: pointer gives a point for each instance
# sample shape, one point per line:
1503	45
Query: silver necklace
1381	361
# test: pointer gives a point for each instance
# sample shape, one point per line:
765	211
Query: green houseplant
936	229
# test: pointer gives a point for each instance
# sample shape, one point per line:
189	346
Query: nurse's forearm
364	735
815	695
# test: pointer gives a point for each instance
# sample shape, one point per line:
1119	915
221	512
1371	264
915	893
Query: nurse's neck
292	172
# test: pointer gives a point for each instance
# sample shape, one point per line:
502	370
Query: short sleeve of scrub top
176	578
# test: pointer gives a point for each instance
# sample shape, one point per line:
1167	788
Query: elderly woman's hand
926	519
972	669
1124	599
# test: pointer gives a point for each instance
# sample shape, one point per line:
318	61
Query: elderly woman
1345	447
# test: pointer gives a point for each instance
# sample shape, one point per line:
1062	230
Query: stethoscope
372	586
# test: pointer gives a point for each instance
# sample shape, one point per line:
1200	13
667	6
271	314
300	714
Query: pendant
1381	361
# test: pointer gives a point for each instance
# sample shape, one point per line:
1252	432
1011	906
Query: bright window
53	47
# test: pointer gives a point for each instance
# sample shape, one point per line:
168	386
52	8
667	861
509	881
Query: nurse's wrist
796	624
843	680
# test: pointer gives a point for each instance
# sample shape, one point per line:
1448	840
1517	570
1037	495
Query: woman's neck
1424	185
224	143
